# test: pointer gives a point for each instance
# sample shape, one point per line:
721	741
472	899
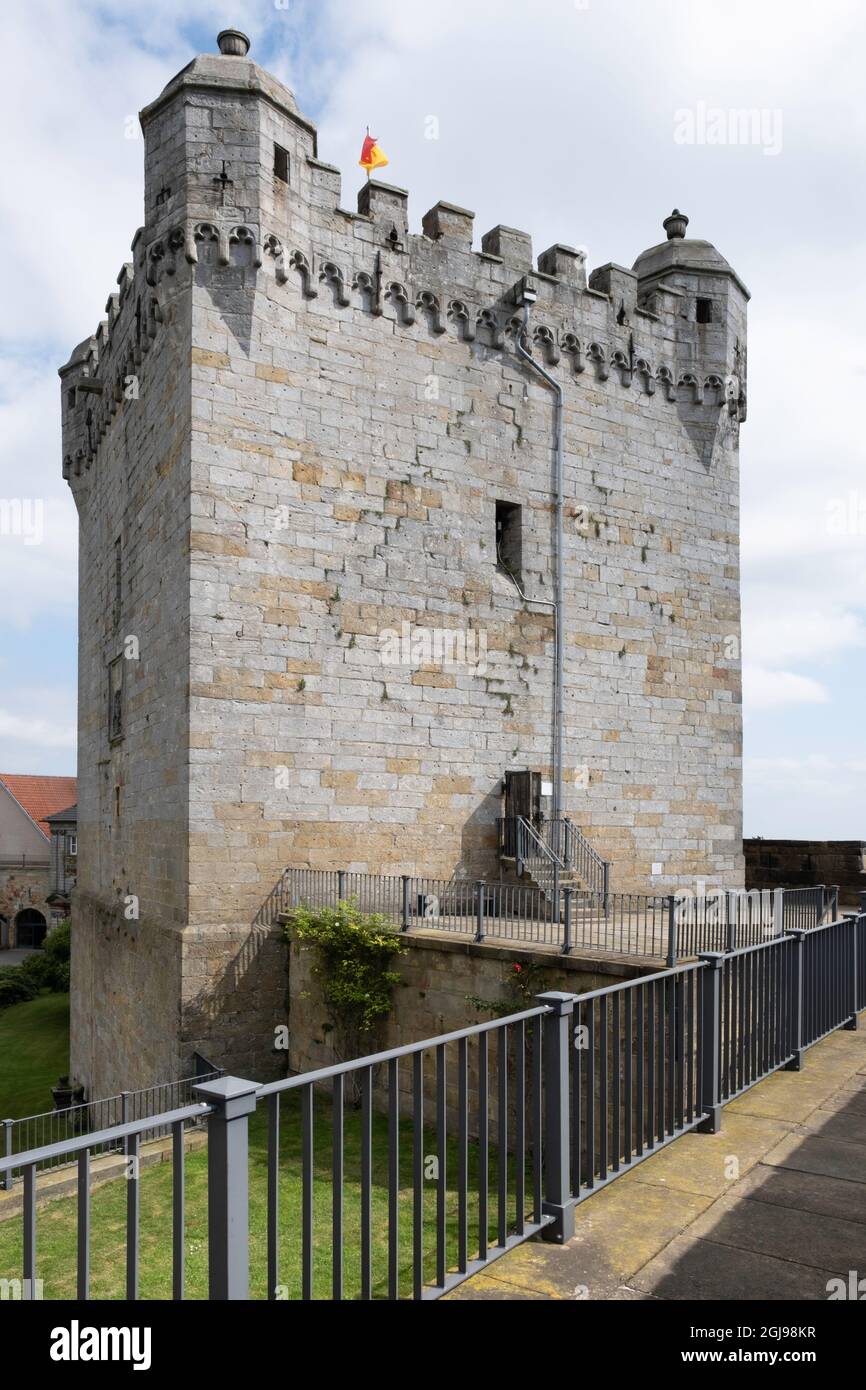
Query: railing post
558	1201
566	921
733	916
341	885
405	906
605	885
6	1180
779	912
710	1055
853	920
672	931
796	1013
479	910
834	903
228	1195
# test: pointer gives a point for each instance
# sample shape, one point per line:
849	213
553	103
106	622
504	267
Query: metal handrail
28	1157
375	1059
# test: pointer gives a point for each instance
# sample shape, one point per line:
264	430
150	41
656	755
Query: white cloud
801	632
37	728
805	798
43	732
39	577
763	689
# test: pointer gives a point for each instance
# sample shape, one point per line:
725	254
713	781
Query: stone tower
317	493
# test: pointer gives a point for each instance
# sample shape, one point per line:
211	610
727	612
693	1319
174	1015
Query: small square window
704	311
281	164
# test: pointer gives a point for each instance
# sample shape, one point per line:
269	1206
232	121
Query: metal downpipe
558	694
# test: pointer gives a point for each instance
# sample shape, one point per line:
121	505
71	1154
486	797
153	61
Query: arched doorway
30	928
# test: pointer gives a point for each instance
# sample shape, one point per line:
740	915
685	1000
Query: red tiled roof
40	796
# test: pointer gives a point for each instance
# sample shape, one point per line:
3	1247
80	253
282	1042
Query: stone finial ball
233	43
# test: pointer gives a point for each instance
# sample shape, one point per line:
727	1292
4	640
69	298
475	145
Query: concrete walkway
772	1207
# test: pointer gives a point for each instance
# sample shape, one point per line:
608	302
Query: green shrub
56	954
37	969
353	950
15	988
47	969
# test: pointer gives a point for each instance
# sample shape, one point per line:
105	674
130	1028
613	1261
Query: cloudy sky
582	121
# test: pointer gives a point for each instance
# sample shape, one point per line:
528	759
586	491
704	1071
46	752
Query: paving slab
697	1269
788	1233
843	1122
815	1154
790	1187
786	1095
701	1163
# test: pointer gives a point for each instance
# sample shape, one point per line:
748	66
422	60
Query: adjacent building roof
40	797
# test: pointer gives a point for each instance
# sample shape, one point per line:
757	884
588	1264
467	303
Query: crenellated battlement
612	329
214	207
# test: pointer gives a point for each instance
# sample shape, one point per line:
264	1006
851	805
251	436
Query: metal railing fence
50	1129
492	1133
666	927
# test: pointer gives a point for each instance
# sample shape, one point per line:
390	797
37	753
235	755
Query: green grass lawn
34	1052
56	1220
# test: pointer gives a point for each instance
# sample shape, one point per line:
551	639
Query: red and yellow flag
372	157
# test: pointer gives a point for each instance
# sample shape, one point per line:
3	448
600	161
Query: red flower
517	967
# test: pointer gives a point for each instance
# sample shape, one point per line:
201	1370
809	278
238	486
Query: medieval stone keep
317	489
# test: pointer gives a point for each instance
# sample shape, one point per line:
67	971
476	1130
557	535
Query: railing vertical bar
83	1233
681	1007
502	1135
520	1124
337	1184
462	1154
590	1093
273	1195
418	1174
366	1183
307	1192
603	1108
178	1212
617	1067
661	1057
442	1162
483	1145
393	1178
652	1033
670	991
29	1240
537	1141
576	1101
627	1078
132	1217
